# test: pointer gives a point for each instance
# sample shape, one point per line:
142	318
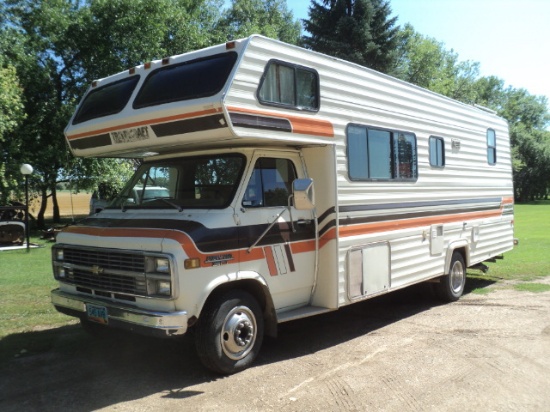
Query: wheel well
462	250
260	293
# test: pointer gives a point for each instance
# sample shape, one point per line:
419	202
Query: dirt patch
400	352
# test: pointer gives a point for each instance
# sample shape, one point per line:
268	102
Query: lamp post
26	170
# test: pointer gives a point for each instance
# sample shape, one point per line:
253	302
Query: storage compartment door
368	270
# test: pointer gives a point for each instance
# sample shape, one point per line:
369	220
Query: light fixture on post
26	170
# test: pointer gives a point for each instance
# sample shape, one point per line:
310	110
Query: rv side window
375	154
291	86
437	151
491	147
185	81
270	183
106	100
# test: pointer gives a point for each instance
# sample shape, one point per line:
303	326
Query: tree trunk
56	215
43	204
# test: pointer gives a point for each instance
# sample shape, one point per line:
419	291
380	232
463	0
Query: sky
508	38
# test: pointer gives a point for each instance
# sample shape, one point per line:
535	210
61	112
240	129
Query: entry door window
270	184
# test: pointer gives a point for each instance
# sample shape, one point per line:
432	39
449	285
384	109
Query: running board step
303	312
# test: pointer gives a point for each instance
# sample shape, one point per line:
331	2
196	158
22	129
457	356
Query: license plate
97	314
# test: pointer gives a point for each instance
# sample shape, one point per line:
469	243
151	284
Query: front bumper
121	316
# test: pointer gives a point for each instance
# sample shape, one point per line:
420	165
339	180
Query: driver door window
270	183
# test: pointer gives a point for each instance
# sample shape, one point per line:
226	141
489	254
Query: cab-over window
291	86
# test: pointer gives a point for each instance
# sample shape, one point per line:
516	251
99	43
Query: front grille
108	282
106	258
106	272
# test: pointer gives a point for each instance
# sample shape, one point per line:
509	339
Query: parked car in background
97	204
137	195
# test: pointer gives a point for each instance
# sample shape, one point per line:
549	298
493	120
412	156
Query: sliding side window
375	154
491	147
289	86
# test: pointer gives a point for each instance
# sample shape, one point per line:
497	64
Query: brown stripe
289	257
143	123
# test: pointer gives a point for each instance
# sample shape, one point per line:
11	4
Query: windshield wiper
168	202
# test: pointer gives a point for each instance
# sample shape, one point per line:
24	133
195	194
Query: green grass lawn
25	284
26	280
530	259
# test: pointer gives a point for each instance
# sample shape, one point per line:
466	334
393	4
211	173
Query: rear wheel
451	286
230	332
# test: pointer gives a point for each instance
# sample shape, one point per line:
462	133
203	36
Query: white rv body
446	190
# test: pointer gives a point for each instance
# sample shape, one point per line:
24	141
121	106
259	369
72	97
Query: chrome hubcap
238	333
457	277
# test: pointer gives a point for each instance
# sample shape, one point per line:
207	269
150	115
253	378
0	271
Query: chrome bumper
124	316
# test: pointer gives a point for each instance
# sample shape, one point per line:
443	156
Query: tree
268	17
11	114
528	117
65	44
425	62
360	31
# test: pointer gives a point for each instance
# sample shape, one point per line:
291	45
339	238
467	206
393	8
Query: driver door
285	255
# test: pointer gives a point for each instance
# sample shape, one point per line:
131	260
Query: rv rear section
276	183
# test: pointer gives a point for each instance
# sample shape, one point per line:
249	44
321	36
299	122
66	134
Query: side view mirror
304	195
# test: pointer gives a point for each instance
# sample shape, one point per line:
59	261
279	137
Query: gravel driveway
400	352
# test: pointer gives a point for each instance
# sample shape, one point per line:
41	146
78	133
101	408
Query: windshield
204	182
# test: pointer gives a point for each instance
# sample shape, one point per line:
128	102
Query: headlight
156	264
162	265
59	254
164	288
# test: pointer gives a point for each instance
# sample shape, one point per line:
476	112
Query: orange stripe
300	124
144	122
183	239
362	229
270	260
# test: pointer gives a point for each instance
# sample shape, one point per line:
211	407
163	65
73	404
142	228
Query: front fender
253	283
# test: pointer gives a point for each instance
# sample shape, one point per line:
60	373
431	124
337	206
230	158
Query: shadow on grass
476	283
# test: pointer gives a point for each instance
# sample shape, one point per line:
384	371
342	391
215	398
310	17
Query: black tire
229	333
451	286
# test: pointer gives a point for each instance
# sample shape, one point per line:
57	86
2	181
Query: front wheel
451	286
230	332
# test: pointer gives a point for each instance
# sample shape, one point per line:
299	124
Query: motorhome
293	184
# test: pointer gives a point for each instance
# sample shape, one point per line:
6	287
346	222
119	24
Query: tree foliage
360	31
270	18
427	63
11	115
59	46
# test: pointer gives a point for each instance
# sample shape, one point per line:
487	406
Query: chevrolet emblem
97	270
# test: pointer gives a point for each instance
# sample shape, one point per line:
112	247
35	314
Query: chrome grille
108	282
106	258
105	272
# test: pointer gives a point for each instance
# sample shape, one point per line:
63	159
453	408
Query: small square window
437	151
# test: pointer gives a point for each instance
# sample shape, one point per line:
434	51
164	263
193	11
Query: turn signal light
192	263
